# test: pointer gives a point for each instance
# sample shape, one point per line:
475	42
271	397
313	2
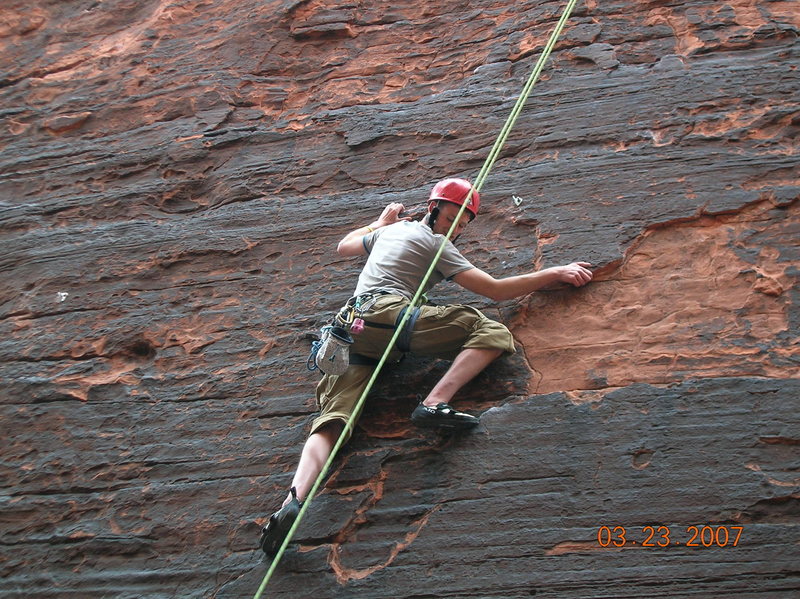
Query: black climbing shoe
278	526
442	416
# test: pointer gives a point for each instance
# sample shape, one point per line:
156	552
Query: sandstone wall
174	176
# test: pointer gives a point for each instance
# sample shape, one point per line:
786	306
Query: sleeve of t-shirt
452	262
369	240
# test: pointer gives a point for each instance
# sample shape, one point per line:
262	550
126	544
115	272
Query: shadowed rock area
174	178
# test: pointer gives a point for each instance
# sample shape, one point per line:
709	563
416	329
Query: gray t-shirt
400	255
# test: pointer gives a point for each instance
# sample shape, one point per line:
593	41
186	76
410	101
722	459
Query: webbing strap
404	340
482	175
359	360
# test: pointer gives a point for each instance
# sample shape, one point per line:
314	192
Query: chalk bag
331	354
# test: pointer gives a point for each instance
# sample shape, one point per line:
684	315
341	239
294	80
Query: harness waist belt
361	360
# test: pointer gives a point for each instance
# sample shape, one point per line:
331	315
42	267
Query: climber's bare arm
482	283
352	244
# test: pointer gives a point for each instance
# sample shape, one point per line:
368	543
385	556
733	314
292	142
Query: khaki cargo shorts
440	331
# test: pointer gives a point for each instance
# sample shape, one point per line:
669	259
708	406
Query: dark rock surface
174	176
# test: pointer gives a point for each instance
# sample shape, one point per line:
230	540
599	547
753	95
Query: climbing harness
407	315
331	353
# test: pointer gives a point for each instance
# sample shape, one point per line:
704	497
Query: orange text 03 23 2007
699	536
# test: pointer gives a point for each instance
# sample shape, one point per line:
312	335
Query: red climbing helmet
456	191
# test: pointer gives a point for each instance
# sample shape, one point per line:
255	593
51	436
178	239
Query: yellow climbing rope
479	180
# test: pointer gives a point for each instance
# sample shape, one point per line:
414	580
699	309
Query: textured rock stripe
174	176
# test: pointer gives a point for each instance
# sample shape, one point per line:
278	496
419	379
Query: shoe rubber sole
443	416
278	527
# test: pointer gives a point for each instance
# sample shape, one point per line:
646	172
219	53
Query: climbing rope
479	180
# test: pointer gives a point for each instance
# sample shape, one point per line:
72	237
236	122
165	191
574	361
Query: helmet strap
434	214
432	218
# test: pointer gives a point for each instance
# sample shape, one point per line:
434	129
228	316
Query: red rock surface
699	298
174	176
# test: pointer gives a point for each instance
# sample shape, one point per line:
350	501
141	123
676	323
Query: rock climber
399	252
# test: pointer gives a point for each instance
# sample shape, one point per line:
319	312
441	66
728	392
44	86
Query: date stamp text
669	536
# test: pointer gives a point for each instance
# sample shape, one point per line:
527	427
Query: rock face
174	176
